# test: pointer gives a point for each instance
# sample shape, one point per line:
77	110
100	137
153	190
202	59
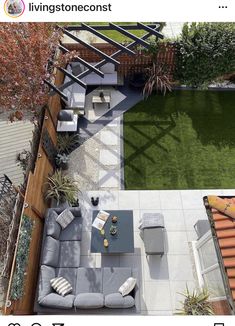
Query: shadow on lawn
165	127
212	114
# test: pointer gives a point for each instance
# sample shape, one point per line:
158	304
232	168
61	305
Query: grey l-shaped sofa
95	290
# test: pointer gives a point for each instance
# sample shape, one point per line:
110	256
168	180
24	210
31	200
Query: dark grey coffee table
122	242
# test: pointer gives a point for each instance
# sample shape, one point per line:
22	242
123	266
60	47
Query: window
209	274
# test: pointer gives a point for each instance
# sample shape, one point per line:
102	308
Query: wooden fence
128	63
34	208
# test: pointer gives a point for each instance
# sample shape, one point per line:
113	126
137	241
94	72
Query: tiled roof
223	228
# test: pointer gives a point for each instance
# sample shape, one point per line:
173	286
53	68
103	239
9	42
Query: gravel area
85	164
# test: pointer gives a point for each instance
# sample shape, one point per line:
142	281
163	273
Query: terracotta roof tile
225	231
232	283
229	262
231	272
219	217
230	252
225	224
227	243
229	233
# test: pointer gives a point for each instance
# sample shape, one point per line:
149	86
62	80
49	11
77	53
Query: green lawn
185	140
117	36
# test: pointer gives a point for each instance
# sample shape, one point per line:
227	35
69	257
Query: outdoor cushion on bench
91	280
70	274
73	231
116	300
68	126
89	300
54	300
69	254
51	252
46	274
52	227
114	277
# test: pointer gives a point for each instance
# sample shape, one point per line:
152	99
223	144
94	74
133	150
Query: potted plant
196	303
101	94
67	142
61	188
62	161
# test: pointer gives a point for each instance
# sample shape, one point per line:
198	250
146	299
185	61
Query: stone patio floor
161	279
96	164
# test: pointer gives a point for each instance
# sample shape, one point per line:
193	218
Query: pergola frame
152	29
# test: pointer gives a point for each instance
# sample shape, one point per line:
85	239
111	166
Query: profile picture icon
14	8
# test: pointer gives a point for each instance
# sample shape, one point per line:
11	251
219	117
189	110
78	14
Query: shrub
61	188
17	287
158	80
66	143
205	52
196	303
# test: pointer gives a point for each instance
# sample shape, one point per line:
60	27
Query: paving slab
108	157
108	179
107	137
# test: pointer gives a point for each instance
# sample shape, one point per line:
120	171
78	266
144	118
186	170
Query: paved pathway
96	164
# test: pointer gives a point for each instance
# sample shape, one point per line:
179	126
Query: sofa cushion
54	300
65	115
89	300
76	68
70	274
44	286
116	300
78	97
68	126
76	211
52	227
108	68
114	277
61	286
51	252
65	218
69	254
89	280
73	231
127	286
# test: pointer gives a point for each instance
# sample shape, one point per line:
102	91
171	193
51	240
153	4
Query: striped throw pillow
61	286
65	218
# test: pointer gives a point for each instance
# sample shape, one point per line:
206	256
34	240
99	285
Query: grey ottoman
153	233
154	241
